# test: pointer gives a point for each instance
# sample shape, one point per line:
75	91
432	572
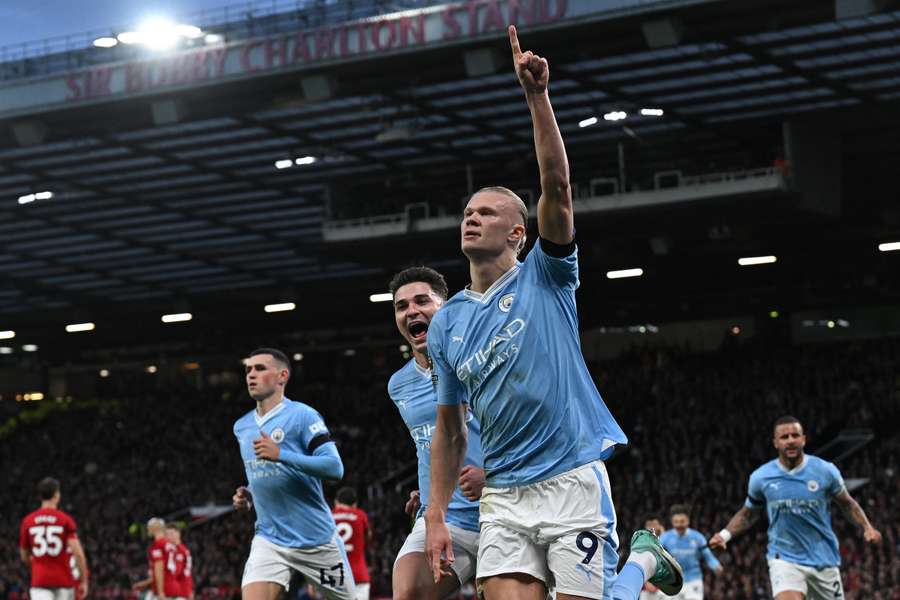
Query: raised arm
742	520
448	449
555	216
856	513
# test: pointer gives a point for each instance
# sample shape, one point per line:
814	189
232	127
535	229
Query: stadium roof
171	199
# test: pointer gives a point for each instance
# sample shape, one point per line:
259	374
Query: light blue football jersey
687	550
797	503
412	391
514	353
290	508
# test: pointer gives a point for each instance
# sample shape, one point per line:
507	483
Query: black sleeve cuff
558	250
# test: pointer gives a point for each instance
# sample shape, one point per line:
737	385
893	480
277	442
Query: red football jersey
352	525
165	552
45	533
183	570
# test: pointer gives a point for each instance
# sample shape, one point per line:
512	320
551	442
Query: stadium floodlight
151	369
159	34
45	195
282	307
652	112
298	356
104	373
30	347
177	317
756	260
76	327
7	335
284	164
386	297
305	160
190	32
106	42
621	274
131	37
889	246
588	122
6	350
214	38
27	199
616	115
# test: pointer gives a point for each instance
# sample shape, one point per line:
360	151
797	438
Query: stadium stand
699	422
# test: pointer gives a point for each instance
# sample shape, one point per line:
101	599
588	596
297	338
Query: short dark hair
346	495
652	517
47	488
786	420
173	525
420	274
279	356
679	509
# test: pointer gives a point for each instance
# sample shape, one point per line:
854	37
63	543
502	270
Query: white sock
646	561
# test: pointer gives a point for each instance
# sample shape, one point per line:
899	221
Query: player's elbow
555	184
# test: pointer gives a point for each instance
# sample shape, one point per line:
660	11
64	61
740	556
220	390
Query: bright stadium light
213	38
298	356
305	160
6	350
652	112
624	273
282	307
27	199
151	369
889	246
159	35
45	195
284	164
131	37
756	260
7	335
386	297
588	122
190	32
30	347
616	115
106	42
76	327
177	317
104	373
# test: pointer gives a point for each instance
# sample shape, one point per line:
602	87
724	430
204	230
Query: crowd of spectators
698	424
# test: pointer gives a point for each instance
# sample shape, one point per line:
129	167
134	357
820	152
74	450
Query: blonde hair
520	205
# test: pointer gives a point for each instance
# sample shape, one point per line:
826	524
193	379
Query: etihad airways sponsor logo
493	354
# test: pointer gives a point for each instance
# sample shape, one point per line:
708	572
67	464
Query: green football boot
668	576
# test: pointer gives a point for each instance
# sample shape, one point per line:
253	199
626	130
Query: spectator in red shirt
47	539
353	527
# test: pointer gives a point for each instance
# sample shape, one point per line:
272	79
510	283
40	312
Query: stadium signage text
348	41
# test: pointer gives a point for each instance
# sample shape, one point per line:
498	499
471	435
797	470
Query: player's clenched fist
471	482
717	542
242	500
532	70
413	504
265	447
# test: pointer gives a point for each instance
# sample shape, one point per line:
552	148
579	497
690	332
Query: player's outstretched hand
265	447
532	70
716	542
413	504
438	546
242	500
471	482
872	536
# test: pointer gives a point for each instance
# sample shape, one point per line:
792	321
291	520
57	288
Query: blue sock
628	583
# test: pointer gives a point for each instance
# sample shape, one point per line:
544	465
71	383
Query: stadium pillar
814	160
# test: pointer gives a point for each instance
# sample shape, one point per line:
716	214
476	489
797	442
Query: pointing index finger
514	42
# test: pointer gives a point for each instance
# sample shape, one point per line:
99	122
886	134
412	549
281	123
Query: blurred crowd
698	424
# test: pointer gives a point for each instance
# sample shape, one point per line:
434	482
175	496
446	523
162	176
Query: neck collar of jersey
261	420
796	469
485	297
420	369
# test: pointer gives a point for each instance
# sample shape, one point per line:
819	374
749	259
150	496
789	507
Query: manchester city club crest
277	435
505	302
812	485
